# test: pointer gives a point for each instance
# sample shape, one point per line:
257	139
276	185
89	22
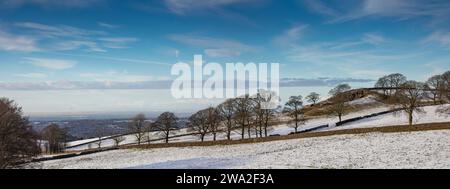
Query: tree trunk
410	118
265	130
214	136
243	130
260	130
340	117
229	134
167	137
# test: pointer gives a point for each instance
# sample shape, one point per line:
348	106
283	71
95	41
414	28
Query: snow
424	149
368	100
398	118
283	129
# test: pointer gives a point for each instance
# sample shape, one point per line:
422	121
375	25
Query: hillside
424	149
365	106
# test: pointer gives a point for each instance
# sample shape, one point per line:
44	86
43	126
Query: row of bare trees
246	115
410	95
141	128
439	87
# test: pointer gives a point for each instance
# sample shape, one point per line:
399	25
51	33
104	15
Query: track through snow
424	149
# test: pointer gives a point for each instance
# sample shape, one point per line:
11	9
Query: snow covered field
424	149
399	118
384	120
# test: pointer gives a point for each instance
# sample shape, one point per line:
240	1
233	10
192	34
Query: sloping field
283	129
378	147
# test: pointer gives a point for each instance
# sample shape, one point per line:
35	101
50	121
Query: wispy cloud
120	76
290	36
373	38
32	75
352	58
11	42
186	6
155	83
320	7
116	59
436	11
117	42
214	47
63	38
72	45
54	64
79	85
440	37
107	25
49	3
58	30
400	9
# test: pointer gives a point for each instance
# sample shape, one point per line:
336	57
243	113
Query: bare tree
259	114
165	123
149	128
409	98
339	99
118	139
339	89
100	132
18	141
396	80
294	109
384	84
198	122
434	85
266	107
56	138
313	98
227	111
445	89
213	119
137	127
243	106
390	83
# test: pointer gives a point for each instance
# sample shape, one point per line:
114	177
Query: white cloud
72	45
373	38
32	75
435	11
116	76
184	6
320	7
49	3
107	25
221	52
117	42
290	35
440	37
63	38
215	47
401	9
348	58
58	31
54	64
11	42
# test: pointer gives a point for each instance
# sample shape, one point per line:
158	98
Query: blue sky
79	44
